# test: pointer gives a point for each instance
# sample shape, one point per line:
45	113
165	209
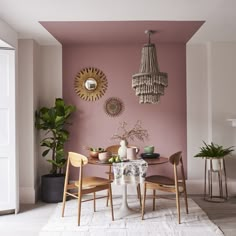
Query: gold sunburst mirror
90	84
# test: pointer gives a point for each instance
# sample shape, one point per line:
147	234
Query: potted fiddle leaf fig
53	121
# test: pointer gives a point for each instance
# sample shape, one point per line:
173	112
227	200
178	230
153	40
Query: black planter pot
52	187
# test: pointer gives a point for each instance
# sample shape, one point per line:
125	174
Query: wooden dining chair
163	183
84	185
114	151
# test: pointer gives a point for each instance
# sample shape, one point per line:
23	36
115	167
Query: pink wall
165	122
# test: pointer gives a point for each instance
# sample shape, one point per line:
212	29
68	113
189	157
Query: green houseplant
214	163
53	121
214	152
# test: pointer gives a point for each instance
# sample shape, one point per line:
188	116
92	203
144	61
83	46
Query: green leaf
214	151
53	120
45	152
46	143
59	102
58	164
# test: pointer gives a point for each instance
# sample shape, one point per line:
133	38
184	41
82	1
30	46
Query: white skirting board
28	195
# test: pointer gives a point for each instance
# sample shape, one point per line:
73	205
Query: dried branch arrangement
137	132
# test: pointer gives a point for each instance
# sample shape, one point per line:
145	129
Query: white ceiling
4	44
24	15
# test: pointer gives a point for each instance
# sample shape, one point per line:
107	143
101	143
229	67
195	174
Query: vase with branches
127	134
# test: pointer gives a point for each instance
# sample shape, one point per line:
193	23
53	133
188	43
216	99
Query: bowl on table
149	149
104	156
93	154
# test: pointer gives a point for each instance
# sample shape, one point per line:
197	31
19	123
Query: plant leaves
53	120
45	152
214	150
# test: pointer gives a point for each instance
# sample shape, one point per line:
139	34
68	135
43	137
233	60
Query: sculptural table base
124	208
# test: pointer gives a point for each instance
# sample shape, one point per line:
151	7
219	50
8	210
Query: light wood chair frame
85	185
176	185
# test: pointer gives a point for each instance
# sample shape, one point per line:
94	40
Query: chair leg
178	204
108	196
154	200
138	190
186	200
144	199
111	202
139	194
94	201
63	204
79	207
109	177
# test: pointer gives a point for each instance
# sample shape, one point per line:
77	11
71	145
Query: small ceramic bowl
149	149
93	154
104	156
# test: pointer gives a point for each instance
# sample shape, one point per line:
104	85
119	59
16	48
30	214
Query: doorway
8	181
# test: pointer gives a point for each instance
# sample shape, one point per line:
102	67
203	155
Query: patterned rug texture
161	222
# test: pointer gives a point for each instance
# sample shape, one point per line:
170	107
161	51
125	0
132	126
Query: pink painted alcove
165	122
115	48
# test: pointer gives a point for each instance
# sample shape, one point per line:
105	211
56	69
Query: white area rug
161	222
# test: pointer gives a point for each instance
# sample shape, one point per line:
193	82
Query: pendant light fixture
149	83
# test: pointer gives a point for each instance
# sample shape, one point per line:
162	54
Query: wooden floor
222	214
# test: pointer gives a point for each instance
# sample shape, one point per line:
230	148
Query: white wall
211	71
224	99
40	75
51	74
26	121
50	87
197	107
36	76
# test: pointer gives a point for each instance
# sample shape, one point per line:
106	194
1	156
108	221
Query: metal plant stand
222	181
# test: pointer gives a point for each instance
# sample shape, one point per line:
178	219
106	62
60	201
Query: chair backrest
77	160
113	149
175	158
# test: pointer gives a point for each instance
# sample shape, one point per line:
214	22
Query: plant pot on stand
215	171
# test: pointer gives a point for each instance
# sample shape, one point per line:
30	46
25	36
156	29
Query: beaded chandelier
149	83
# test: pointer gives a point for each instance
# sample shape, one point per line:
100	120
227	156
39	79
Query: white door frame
9	199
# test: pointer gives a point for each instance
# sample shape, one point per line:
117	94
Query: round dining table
124	209
150	161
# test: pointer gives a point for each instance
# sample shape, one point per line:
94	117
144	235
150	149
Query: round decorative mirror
90	84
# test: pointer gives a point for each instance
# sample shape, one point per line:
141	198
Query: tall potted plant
52	121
